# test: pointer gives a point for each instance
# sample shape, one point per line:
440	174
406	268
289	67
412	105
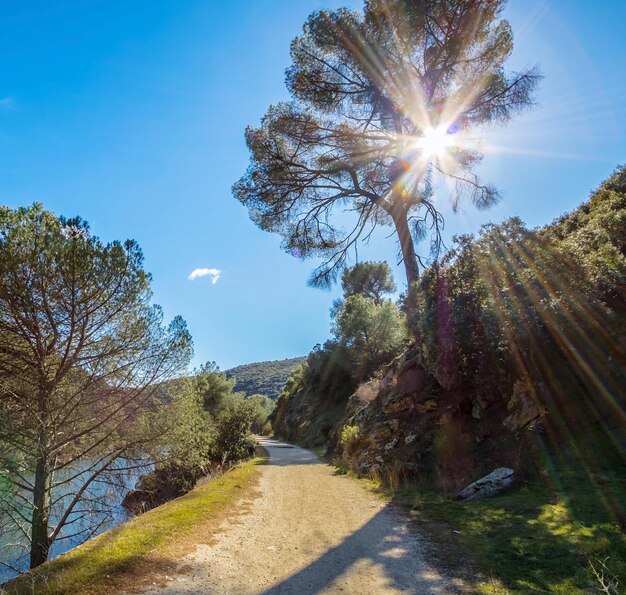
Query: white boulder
490	485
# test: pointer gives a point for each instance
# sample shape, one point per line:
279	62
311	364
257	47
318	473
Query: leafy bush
233	441
372	333
189	441
204	425
349	435
531	306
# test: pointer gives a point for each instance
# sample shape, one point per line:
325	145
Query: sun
435	142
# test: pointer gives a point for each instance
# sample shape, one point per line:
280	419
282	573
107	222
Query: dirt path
309	531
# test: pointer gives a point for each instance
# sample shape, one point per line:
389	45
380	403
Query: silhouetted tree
382	99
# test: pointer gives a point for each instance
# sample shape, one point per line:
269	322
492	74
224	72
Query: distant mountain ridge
265	378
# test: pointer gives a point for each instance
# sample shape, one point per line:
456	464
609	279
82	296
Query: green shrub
233	441
349	435
371	333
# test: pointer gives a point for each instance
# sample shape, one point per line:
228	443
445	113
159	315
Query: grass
539	538
136	547
533	542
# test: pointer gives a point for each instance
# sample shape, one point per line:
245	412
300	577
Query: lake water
101	511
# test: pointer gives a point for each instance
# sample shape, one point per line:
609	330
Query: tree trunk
408	249
40	540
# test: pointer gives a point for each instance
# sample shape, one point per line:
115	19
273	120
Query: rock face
523	409
490	485
410	425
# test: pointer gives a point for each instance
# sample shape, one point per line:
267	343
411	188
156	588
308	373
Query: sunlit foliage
372	334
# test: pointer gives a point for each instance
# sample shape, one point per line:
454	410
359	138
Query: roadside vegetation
92	391
562	532
212	430
514	356
369	330
143	547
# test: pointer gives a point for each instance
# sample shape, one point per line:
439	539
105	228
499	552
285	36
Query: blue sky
131	114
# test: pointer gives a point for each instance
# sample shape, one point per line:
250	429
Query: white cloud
213	273
7	102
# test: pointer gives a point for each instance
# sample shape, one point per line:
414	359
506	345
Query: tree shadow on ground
384	541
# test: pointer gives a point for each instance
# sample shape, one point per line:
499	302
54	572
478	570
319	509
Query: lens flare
435	142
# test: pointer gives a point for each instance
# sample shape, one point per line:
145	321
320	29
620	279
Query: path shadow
383	541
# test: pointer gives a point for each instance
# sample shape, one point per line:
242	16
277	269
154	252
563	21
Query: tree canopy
369	279
372	333
382	100
82	351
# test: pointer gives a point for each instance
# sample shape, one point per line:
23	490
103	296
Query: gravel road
304	531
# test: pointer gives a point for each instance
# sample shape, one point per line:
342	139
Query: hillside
518	343
517	360
265	378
